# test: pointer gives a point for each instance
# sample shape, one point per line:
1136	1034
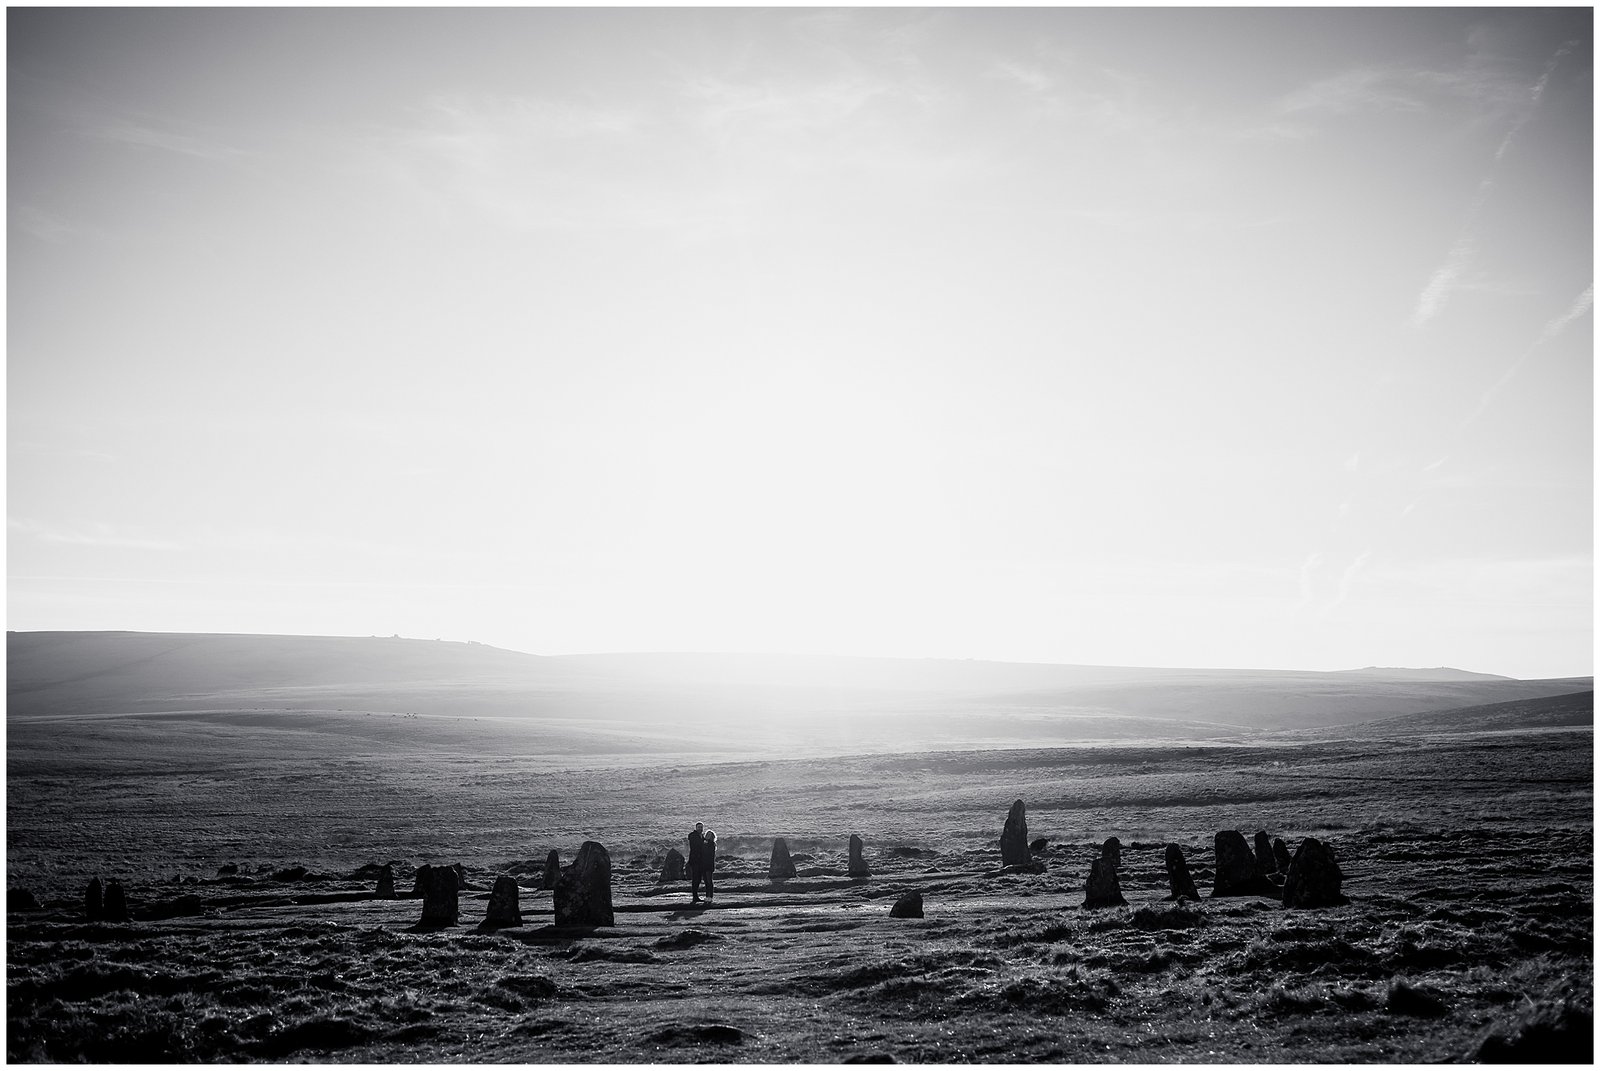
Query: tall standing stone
1014	837
94	904
1102	889
504	909
1112	850
1314	877
386	882
1280	855
441	898
858	864
1178	875
1238	873
116	902
1266	862
552	870
583	891
781	867
673	869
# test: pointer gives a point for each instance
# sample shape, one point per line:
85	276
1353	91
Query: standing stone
781	868
503	907
419	887
1102	889
583	891
1014	837
552	870
909	906
858	865
1280	854
93	901
116	903
1314	877
1178	875
1237	872
673	868
461	875
441	898
1112	850
1266	862
386	882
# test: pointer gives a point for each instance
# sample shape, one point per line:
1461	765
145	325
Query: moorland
245	789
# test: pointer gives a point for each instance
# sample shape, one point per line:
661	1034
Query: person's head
711	836
699	827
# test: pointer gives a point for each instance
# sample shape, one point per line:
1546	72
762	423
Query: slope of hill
1569	711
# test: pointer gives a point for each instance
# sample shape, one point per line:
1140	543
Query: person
709	846
697	859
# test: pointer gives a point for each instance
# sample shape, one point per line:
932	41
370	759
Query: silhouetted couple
702	859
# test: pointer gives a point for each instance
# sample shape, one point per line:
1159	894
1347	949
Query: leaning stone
1280	855
503	907
21	900
1178	875
116	902
1112	850
909	906
1314	878
1237	871
1102	889
552	870
583	891
1266	862
781	868
441	898
93	901
386	882
673	869
858	864
1014	837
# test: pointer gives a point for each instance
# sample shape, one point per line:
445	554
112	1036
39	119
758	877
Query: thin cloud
1552	330
129	133
100	535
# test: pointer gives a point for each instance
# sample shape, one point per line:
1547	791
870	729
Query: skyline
1248	338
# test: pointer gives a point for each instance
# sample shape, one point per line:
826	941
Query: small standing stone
1014	837
94	901
673	868
1314	878
441	898
1112	850
909	906
858	864
1280	854
386	882
1237	871
1266	862
552	870
504	909
781	868
116	902
1178	875
1102	889
583	891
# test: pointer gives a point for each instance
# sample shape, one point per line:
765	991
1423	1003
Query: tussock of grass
1420	1001
1167	917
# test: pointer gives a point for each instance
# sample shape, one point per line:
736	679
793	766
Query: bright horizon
1191	338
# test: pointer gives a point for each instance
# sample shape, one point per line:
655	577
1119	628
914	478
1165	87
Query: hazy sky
1252	337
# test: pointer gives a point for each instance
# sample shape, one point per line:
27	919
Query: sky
1255	338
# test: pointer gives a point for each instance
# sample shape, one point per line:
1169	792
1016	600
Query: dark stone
781	868
1014	837
441	898
94	901
1314	878
858	864
552	870
504	909
1178	875
583	891
386	883
1038	844
1266	862
227	869
116	909
673	868
1237	871
909	906
1112	850
461	875
293	873
1102	889
419	887
1280	854
20	900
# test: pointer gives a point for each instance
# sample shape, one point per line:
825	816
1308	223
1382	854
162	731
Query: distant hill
735	700
1572	710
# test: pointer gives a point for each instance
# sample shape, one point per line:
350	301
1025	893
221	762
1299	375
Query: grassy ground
1468	861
